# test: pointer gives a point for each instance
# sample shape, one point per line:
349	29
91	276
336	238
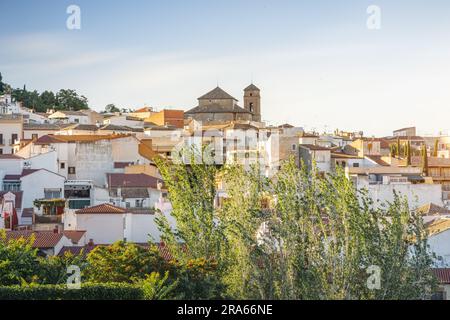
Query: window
11	186
76	120
52	193
251	94
1	151
13	138
356	165
71	170
1	139
294	147
139	203
128	205
251	106
34	136
63	165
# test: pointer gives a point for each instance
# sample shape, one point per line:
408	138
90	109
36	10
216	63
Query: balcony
47	218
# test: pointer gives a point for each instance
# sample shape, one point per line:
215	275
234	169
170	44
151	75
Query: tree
156	288
111	108
436	148
18	260
424	160
48	100
122	262
2	85
68	99
321	237
53	269
408	153
192	191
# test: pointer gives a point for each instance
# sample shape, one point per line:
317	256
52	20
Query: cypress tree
424	161
408	153
436	147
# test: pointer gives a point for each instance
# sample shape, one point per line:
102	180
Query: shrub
88	291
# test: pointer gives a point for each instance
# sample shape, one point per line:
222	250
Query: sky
317	63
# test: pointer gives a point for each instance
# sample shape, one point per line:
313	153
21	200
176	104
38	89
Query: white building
106	224
69	117
11	131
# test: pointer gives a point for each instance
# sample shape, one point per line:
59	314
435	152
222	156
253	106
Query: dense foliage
88	291
64	99
299	235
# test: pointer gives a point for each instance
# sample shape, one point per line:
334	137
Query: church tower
252	101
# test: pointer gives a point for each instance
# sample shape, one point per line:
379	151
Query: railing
47	219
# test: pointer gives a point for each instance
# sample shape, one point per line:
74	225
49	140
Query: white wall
44	161
10	166
101	228
440	244
417	194
33	186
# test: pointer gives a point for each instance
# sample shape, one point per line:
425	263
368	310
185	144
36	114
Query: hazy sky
316	62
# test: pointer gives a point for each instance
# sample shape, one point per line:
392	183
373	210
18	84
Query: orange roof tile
105	208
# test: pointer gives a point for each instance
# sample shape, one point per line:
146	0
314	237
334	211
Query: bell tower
252	101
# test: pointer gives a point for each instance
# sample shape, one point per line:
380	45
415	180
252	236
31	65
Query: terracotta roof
12	177
71	113
131	180
40	126
129	193
76	250
74	235
113	127
48	139
121	165
432	209
314	147
216	94
105	208
18	194
144	109
437	226
25	172
9	156
82	127
442	274
378	160
43	239
342	155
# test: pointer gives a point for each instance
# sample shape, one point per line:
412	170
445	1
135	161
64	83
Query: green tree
192	190
321	237
18	260
2	85
53	269
156	288
408	153
48	100
68	99
122	262
436	148
424	160
111	108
